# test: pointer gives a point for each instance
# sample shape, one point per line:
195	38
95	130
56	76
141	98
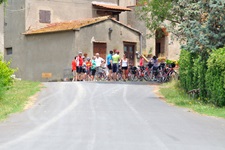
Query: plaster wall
173	49
62	10
53	52
13	34
100	33
48	53
148	44
170	48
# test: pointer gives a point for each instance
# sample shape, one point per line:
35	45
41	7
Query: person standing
141	62
79	66
88	68
154	61
98	60
115	61
109	64
124	64
74	69
93	68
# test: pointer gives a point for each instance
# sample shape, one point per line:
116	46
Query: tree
197	22
1	1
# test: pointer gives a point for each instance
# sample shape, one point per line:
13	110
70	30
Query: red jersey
80	61
74	65
141	63
88	64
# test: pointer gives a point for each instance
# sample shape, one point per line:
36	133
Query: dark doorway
160	38
157	49
101	49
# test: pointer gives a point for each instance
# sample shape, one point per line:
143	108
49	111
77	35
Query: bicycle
101	75
170	73
132	71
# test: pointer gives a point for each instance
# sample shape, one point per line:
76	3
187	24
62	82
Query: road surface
108	116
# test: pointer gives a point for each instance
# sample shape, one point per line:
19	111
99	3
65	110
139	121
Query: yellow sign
46	75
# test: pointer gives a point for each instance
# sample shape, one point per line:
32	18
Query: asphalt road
108	116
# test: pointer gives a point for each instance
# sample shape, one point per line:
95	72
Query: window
44	16
9	51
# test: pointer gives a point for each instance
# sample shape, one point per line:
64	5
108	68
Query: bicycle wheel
151	76
119	77
133	77
129	76
146	76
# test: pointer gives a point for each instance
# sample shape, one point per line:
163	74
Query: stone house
44	36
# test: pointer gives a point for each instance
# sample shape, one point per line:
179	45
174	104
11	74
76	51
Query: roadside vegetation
16	97
174	94
206	78
199	28
14	94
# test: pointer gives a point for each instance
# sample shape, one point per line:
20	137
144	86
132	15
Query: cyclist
141	65
124	63
88	68
115	61
93	68
98	60
109	64
74	68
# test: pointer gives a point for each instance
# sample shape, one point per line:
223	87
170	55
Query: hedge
208	76
215	77
185	70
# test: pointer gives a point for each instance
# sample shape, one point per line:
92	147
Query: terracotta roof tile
112	7
65	26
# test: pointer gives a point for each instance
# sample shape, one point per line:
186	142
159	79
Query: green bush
1	57
215	77
185	70
199	72
5	75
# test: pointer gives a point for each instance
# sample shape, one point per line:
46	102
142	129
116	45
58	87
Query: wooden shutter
44	16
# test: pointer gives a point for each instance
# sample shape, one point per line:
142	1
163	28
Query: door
129	51
157	49
101	49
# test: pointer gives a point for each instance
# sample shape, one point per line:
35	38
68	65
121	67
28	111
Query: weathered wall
100	32
48	53
13	37
170	48
148	44
60	10
53	52
173	49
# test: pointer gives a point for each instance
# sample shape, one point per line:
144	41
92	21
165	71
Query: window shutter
44	16
47	16
41	16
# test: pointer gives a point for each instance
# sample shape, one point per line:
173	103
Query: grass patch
16	97
175	95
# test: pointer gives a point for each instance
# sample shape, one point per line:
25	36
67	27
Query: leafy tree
1	1
197	23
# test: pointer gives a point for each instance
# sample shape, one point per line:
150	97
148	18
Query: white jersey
98	61
124	63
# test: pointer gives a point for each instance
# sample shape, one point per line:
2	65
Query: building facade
35	49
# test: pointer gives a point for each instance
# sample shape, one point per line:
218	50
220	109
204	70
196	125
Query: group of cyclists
113	68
